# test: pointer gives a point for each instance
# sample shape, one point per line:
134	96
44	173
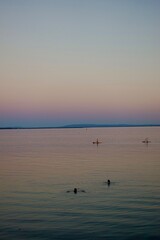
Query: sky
79	61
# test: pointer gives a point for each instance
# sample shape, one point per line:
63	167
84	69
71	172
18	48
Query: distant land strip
85	126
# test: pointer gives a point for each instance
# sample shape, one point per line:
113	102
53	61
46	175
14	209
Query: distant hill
87	125
108	125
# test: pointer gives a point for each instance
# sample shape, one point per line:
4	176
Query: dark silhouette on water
96	142
108	182
75	190
146	141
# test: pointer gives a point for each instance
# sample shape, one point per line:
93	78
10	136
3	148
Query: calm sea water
38	167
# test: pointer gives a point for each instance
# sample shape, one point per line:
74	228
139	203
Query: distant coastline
85	126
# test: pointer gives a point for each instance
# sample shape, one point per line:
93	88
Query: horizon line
83	126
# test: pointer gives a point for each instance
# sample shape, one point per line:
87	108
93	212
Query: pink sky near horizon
93	63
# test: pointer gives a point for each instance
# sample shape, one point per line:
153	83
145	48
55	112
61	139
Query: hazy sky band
71	61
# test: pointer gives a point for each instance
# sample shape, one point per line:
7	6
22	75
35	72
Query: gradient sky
79	61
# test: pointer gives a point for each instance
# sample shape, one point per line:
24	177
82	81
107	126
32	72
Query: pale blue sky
79	61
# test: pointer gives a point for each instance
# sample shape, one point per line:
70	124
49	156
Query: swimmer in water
108	182
75	190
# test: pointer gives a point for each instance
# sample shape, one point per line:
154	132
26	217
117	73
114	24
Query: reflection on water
38	167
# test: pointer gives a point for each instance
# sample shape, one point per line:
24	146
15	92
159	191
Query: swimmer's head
108	182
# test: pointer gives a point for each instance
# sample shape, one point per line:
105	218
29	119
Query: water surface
38	167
